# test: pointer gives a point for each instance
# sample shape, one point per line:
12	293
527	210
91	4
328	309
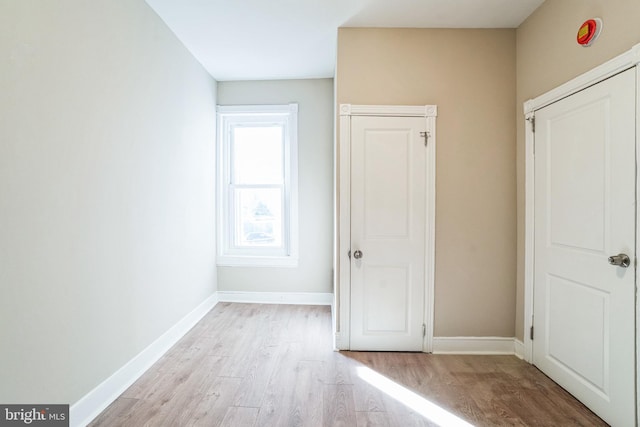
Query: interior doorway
581	240
387	205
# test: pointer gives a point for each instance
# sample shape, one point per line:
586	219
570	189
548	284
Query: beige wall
315	186
548	55
470	75
107	130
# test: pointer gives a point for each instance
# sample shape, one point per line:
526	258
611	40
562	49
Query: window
257	192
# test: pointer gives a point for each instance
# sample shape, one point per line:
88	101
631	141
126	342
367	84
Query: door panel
573	206
584	320
386	183
386	290
590	316
388	216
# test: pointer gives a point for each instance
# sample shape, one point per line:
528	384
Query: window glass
258	156
259	220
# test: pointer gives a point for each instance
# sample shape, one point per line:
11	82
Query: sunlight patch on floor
411	400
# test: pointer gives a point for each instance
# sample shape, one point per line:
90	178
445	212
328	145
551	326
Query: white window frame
229	117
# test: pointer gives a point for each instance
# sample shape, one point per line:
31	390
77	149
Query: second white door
585	212
388	233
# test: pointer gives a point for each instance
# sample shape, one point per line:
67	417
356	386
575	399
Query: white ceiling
292	39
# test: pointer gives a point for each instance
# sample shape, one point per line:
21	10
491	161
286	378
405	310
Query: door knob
357	254
621	260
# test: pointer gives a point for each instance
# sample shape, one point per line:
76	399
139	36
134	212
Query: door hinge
532	120
424	330
531	333
426	136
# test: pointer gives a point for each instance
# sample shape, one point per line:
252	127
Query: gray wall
107	130
315	191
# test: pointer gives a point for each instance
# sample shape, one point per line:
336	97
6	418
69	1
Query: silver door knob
621	260
357	254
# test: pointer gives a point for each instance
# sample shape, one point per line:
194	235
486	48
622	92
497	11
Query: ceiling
296	39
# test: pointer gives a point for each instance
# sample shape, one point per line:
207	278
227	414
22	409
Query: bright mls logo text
39	415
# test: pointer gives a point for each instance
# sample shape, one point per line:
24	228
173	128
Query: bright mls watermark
34	415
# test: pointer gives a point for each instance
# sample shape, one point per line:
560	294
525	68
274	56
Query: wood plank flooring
273	365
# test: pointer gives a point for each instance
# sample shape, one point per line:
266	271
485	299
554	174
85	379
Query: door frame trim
623	62
342	303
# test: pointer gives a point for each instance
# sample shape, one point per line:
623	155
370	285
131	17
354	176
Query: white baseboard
474	345
93	403
519	348
300	298
338	345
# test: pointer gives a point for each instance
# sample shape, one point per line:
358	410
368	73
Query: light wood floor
272	365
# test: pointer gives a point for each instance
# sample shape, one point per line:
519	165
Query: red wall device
589	32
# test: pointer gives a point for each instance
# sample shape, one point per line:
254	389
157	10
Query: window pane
258	154
258	217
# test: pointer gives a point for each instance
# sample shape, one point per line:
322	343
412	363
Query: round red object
588	32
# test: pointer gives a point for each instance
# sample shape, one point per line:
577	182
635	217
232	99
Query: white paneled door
584	289
388	232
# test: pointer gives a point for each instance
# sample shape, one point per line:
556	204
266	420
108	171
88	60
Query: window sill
256	261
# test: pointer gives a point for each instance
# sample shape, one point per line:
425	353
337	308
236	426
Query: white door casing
346	266
388	212
584	308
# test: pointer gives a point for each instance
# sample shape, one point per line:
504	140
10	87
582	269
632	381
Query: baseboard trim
93	403
519	348
299	298
474	345
338	345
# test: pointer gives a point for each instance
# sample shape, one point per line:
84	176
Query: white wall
315	191
107	130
